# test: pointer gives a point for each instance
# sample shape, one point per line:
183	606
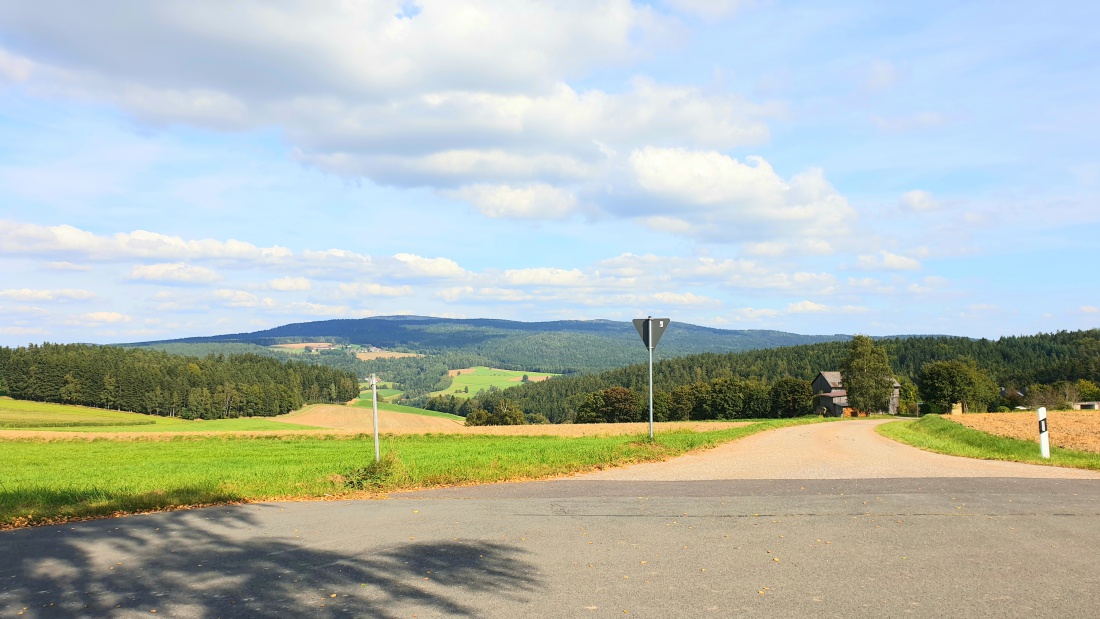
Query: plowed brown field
1078	430
357	419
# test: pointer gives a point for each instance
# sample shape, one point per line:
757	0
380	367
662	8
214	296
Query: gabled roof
836	381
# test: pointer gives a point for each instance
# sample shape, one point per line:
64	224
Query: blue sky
180	169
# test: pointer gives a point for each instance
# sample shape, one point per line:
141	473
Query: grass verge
934	433
55	481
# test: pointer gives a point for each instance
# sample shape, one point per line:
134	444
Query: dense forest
1012	362
160	383
416	376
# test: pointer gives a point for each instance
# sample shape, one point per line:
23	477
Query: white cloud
544	277
886	261
33	239
93	319
240	298
803	307
23	331
374	290
809	307
67	266
534	201
1090	309
686	298
782	248
471	97
418	266
66	294
14	68
748	314
919	201
723	199
173	273
290	284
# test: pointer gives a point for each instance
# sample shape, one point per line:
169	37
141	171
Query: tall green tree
944	383
867	376
791	397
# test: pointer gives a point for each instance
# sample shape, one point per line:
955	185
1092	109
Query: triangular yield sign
643	327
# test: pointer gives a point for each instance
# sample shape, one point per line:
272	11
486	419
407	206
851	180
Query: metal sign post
651	329
374	400
1044	437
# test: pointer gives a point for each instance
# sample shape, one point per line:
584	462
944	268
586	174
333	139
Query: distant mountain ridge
555	346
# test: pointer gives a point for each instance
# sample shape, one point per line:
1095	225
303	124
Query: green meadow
483	378
46	416
74	478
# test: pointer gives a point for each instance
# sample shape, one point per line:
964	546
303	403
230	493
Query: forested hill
1010	361
560	346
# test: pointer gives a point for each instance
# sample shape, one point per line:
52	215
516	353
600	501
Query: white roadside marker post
1044	438
374	400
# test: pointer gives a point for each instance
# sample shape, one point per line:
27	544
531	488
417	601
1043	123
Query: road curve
840	450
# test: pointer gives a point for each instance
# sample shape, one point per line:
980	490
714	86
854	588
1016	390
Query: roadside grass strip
940	435
59	480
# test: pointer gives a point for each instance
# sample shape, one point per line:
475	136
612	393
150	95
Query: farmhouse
831	399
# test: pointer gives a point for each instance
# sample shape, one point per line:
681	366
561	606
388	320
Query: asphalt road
617	543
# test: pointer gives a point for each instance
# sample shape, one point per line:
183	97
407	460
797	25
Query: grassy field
45	416
398	408
54	481
383	394
482	378
935	433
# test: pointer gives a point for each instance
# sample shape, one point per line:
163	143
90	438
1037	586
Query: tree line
1019	364
144	380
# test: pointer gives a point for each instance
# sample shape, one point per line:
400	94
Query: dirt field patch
356	419
384	354
1078	430
453	373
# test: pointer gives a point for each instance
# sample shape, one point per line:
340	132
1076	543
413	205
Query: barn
831	399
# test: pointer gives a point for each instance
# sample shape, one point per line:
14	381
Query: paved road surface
798	540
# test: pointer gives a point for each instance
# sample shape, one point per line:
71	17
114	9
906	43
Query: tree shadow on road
197	564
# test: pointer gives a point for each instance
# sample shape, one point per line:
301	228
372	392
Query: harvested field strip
1078	430
943	435
55	481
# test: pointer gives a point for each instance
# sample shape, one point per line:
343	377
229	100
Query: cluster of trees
723	398
155	382
492	408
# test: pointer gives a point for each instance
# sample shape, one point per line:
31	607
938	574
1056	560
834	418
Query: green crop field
58	480
482	378
24	415
383	394
398	408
